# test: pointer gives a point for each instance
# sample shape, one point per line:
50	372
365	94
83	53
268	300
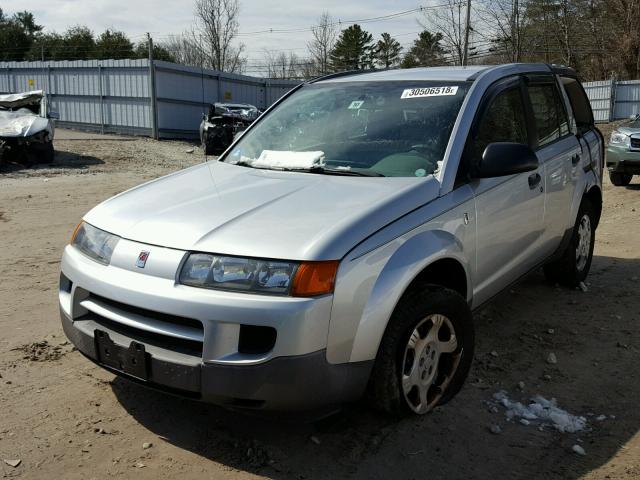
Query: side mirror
503	158
53	115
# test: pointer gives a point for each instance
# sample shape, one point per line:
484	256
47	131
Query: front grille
169	332
635	143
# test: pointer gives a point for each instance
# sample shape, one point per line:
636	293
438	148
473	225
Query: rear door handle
534	180
575	159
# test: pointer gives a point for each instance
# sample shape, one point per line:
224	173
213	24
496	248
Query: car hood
21	123
221	208
629	131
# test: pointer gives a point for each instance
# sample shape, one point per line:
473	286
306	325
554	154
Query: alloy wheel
430	361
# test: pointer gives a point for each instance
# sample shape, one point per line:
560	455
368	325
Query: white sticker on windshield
429	92
356	104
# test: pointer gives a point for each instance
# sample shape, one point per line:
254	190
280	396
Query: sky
165	17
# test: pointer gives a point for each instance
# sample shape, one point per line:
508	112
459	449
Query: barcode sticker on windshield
429	92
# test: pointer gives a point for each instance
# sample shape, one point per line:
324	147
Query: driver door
509	209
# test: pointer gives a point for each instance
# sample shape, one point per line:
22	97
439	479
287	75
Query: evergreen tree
426	51
387	51
353	50
113	44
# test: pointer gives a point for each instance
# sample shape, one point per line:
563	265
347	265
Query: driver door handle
534	180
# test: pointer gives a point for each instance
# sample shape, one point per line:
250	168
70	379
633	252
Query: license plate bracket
134	360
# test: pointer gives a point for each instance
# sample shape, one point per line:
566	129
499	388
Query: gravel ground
63	417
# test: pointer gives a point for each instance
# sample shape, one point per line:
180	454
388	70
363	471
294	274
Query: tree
387	51
160	52
281	65
450	22
113	44
353	50
186	50
217	23
28	23
324	39
508	20
15	40
426	51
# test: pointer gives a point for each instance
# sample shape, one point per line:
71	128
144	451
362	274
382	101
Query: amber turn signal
75	232
314	278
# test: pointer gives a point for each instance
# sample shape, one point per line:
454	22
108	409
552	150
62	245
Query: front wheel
620	179
573	267
425	354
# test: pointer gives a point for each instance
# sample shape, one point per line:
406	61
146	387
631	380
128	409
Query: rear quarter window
579	104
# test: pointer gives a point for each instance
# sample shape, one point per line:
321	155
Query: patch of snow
541	411
579	450
288	159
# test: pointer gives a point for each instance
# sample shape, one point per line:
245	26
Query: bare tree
449	20
505	19
281	65
217	24
325	35
186	50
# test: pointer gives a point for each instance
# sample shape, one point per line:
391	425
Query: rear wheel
425	354
620	179
573	267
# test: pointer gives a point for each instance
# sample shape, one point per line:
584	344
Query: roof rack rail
562	70
341	74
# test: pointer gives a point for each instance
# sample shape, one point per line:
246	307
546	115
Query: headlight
94	242
303	279
618	138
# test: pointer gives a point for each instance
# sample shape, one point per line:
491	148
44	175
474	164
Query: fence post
101	98
152	91
612	100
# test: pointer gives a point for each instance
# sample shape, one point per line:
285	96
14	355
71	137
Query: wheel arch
432	257
594	195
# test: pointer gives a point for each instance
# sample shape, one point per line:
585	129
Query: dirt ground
63	417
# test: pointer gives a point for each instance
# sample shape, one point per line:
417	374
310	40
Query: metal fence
128	96
168	100
614	100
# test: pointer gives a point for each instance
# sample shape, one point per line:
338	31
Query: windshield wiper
337	171
315	169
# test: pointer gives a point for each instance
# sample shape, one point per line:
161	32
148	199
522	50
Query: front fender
369	287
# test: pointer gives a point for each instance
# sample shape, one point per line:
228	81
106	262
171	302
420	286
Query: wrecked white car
26	128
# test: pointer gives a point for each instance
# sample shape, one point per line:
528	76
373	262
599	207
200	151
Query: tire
573	267
620	179
41	153
208	149
427	367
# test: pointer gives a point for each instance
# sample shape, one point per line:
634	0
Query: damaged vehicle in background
26	128
221	124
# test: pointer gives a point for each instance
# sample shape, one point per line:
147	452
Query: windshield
394	129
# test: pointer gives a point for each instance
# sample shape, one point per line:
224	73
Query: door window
503	121
550	115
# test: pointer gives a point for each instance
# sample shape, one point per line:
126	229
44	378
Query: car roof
453	74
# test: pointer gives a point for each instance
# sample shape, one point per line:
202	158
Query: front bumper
193	337
623	160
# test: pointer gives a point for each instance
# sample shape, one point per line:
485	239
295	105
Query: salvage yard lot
63	417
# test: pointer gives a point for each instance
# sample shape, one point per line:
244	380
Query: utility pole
467	27
152	90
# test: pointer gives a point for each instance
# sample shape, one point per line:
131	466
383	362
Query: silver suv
341	244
